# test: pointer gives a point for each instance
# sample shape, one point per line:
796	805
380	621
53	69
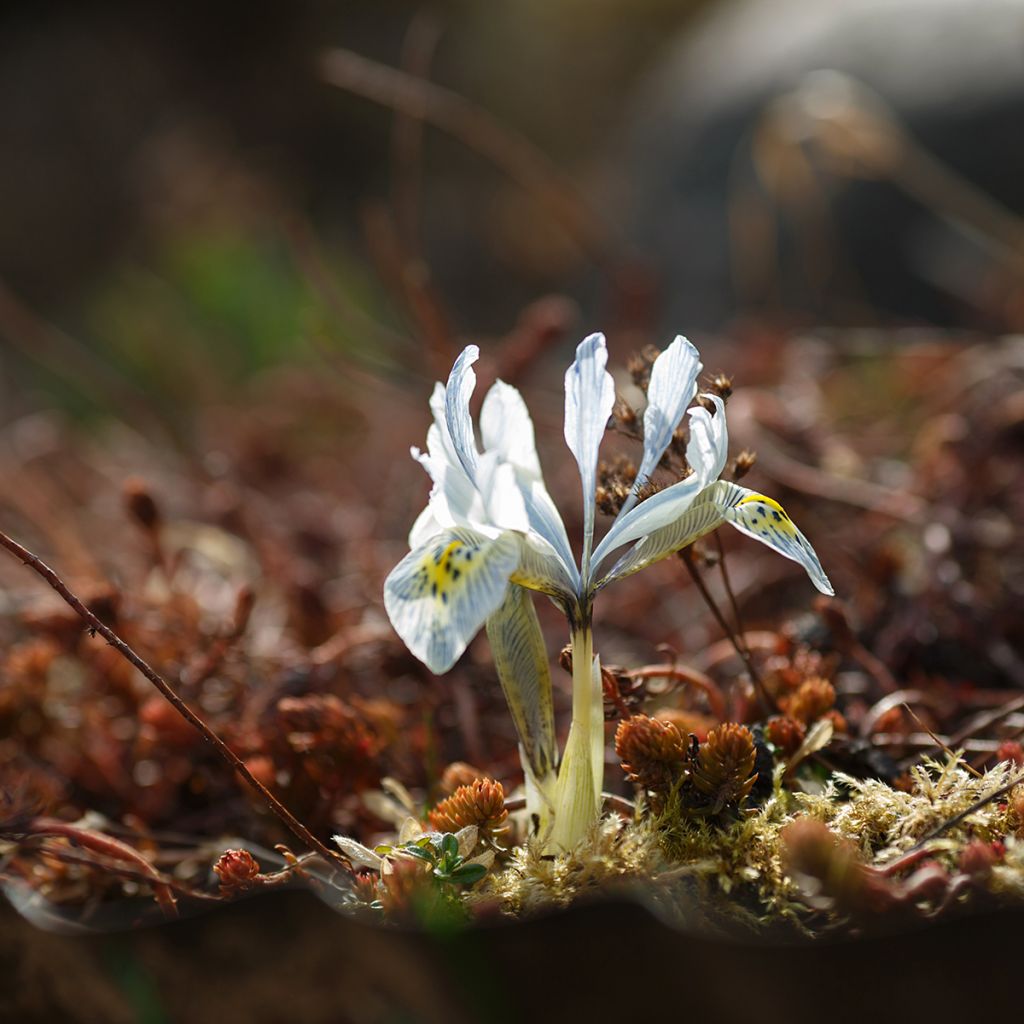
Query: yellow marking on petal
444	570
764	499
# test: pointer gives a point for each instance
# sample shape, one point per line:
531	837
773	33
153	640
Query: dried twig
764	698
690	676
473	126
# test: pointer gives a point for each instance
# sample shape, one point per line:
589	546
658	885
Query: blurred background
237	183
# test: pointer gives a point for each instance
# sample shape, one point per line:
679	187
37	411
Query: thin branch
476	128
740	635
418	48
96	625
764	698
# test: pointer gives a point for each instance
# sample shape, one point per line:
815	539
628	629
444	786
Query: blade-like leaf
522	665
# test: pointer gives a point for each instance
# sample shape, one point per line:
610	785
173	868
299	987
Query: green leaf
424	855
450	846
468	874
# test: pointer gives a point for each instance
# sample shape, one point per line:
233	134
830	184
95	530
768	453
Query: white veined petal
454	498
703	516
672	388
655	513
546	523
589	397
540	568
425	527
765	520
521	661
442	592
506	428
500	495
708	448
457	393
706	453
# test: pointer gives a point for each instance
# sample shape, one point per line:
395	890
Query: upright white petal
454	498
708	448
706	452
589	397
672	388
457	393
442	592
506	428
502	500
764	519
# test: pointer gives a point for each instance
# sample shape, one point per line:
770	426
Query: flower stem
580	777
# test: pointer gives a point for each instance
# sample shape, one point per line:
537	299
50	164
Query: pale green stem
578	790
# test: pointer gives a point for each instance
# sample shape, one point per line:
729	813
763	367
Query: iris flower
491	533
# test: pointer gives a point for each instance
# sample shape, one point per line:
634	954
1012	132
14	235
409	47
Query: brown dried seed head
744	464
481	803
813	698
140	503
457	774
640	364
721	385
688	722
725	764
653	753
237	871
785	733
624	414
1011	750
1015	804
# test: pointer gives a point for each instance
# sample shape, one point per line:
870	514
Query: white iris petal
461	382
589	398
671	389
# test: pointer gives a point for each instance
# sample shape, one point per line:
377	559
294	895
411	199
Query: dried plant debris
842	764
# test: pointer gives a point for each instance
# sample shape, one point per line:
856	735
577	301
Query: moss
703	872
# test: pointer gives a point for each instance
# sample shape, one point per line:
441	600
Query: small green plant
440	852
490	533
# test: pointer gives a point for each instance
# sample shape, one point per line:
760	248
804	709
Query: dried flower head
457	774
653	753
725	765
721	385
237	871
481	803
687	722
785	733
640	364
1011	750
813	698
743	463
